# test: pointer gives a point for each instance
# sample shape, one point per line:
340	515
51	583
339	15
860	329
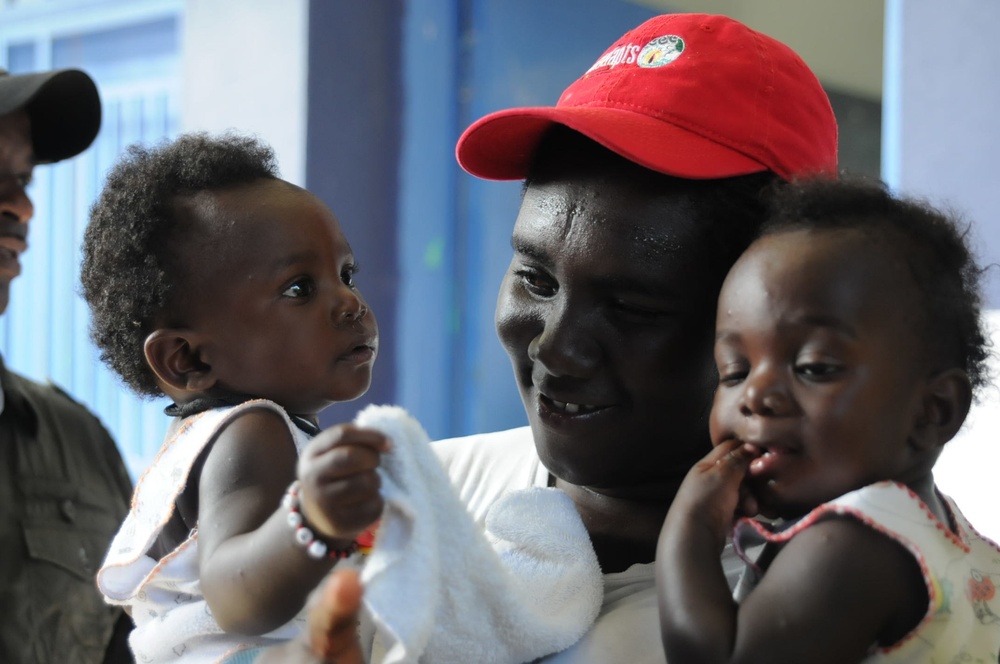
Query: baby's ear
173	356
946	401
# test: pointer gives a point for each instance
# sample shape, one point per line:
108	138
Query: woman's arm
254	575
331	636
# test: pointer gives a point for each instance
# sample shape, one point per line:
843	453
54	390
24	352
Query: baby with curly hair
231	292
849	347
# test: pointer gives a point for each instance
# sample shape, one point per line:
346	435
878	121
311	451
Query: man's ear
946	401
174	357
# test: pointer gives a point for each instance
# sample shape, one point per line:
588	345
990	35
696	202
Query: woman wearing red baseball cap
642	185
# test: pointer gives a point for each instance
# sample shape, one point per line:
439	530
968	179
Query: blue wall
391	85
354	118
462	60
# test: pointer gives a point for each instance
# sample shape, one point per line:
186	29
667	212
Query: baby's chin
773	507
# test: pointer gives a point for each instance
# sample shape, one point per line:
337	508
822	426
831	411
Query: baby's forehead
833	264
832	246
196	207
222	210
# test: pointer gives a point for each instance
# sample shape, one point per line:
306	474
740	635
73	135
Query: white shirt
482	468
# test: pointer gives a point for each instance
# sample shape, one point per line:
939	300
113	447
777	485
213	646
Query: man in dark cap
64	489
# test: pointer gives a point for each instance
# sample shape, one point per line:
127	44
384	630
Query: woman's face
606	312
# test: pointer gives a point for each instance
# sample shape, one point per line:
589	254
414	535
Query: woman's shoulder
511	449
485	442
482	467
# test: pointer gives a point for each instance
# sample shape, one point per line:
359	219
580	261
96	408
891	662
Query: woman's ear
173	356
946	402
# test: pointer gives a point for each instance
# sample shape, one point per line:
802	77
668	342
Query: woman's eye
536	282
300	289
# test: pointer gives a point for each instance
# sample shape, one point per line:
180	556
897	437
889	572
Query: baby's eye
730	361
732	376
817	369
300	288
347	274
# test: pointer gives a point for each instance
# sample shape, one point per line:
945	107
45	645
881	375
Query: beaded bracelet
315	546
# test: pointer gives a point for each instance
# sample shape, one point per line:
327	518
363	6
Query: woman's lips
572	408
567	415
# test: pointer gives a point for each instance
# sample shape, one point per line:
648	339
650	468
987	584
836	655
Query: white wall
245	68
940	141
941	134
969	468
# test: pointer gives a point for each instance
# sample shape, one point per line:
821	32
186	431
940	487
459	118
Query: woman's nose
566	344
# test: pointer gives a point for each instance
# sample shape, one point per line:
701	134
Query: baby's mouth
771	459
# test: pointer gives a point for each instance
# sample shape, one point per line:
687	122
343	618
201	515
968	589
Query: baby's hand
713	491
339	490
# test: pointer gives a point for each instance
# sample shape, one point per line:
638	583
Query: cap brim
64	107
500	146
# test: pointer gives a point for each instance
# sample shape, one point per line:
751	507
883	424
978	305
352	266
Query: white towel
439	590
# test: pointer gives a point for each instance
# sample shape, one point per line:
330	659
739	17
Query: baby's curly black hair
934	245
127	277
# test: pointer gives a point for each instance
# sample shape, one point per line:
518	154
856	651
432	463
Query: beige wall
841	40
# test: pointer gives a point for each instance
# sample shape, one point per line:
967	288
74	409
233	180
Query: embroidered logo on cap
661	51
621	55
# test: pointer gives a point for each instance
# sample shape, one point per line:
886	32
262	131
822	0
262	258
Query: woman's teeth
573	408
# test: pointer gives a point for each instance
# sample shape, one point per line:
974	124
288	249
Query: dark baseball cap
64	107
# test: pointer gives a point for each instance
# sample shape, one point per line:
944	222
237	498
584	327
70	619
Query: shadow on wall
860	124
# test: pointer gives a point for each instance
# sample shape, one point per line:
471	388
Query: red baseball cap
690	95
